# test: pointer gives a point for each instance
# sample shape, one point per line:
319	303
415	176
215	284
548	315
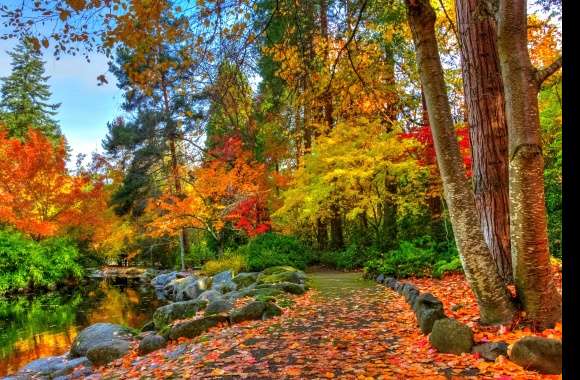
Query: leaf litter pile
359	333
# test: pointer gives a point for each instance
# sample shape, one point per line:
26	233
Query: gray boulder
245	279
428	309
222	282
248	312
380	278
412	297
538	354
177	310
219	306
287	287
255	310
106	352
151	343
97	334
451	336
195	327
490	351
271	310
187	288
210	296
165	278
52	366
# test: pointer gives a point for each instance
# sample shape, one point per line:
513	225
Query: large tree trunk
484	99
528	224
492	297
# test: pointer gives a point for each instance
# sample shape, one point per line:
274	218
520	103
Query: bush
199	253
354	256
271	249
229	261
442	267
420	257
25	263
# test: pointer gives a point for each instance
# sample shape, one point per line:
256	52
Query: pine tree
26	94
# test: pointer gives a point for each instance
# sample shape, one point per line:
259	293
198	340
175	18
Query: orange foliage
37	194
222	184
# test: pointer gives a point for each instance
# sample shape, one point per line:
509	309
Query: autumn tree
25	101
484	101
228	186
528	221
37	194
480	270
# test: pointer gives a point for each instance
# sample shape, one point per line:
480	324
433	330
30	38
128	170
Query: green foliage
199	253
25	263
550	103
442	267
419	257
354	256
229	261
25	95
271	249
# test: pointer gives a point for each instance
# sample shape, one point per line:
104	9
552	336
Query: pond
32	327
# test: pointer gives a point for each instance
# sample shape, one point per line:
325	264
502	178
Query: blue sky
86	108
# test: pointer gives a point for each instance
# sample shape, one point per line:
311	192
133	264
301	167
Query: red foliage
251	216
427	154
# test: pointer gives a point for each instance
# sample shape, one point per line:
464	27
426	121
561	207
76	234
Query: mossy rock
450	336
177	310
279	269
195	327
287	287
245	279
281	274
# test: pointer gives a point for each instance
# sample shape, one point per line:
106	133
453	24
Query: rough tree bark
528	222
492	297
483	91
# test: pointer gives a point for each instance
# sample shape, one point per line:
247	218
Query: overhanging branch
545	73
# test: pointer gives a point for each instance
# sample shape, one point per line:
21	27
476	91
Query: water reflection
36	326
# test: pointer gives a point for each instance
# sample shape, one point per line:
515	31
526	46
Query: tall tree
528	222
162	114
484	100
26	95
492	297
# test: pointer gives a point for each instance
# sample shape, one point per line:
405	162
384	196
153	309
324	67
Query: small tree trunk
337	238
492	297
321	234
483	91
528	222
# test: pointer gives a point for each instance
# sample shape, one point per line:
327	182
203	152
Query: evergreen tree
26	94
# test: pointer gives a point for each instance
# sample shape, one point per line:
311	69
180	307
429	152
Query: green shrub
229	261
25	263
199	253
271	249
420	257
442	267
354	256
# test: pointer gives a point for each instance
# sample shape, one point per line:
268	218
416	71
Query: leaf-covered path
345	328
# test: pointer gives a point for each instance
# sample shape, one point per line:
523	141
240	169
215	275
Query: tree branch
546	72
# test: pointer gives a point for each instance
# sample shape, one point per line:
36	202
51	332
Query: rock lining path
346	328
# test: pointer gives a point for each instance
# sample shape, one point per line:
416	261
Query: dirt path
345	328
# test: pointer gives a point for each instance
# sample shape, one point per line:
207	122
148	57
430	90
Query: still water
32	327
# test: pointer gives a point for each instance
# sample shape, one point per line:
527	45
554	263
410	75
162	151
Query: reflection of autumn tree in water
46	325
